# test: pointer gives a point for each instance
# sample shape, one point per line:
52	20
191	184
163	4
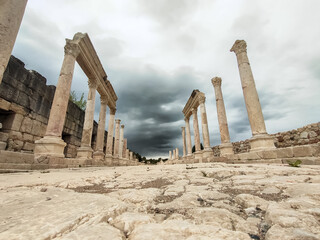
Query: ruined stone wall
25	102
306	135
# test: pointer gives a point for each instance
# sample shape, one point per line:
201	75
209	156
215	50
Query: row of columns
260	139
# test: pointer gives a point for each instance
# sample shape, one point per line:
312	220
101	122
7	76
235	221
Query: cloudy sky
156	52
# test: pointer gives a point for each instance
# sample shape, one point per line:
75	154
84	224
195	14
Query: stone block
36	128
268	154
28	146
15	157
304	134
4	136
15	166
15	145
15	135
27	137
23	100
18	109
302	151
284	152
5	105
3	145
26	125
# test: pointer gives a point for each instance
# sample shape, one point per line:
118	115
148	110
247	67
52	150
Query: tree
81	103
194	148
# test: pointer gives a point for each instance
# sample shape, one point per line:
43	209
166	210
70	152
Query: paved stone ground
199	201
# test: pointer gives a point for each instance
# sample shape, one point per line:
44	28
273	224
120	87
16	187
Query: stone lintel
193	102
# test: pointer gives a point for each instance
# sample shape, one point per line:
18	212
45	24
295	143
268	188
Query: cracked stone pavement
196	201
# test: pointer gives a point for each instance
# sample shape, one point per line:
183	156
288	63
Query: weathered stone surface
208	201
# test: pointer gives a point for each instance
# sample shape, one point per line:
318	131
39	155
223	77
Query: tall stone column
85	151
11	14
260	140
225	146
127	154
173	154
52	144
188	136
131	156
170	155
110	137
121	141
99	154
196	130
177	153
184	141
204	124
117	139
124	148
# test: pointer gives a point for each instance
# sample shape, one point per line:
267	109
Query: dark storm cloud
155	100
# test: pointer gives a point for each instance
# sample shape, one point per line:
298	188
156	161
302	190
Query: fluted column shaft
121	141
184	140
117	138
11	14
249	89
124	148
222	117
188	137
196	130
110	132
204	124
101	125
89	115
61	97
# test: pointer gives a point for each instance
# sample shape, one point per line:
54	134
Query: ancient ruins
261	146
60	178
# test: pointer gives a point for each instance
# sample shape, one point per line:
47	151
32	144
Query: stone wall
25	102
306	135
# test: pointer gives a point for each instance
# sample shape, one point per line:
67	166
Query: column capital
118	121
183	128
122	126
71	48
239	46
104	99
194	110
113	111
186	119
92	84
216	81
202	99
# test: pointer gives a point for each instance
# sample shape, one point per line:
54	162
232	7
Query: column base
108	159
115	161
49	146
84	152
226	149
98	155
207	155
198	157
261	142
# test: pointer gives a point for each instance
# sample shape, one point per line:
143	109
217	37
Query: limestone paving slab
194	201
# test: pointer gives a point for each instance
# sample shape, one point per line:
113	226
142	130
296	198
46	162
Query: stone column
260	140
52	144
184	141
225	146
173	154
170	155
131	156
110	136
85	151
177	153
188	136
127	154
204	124
196	130
121	141
124	148
117	139
11	13
99	154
